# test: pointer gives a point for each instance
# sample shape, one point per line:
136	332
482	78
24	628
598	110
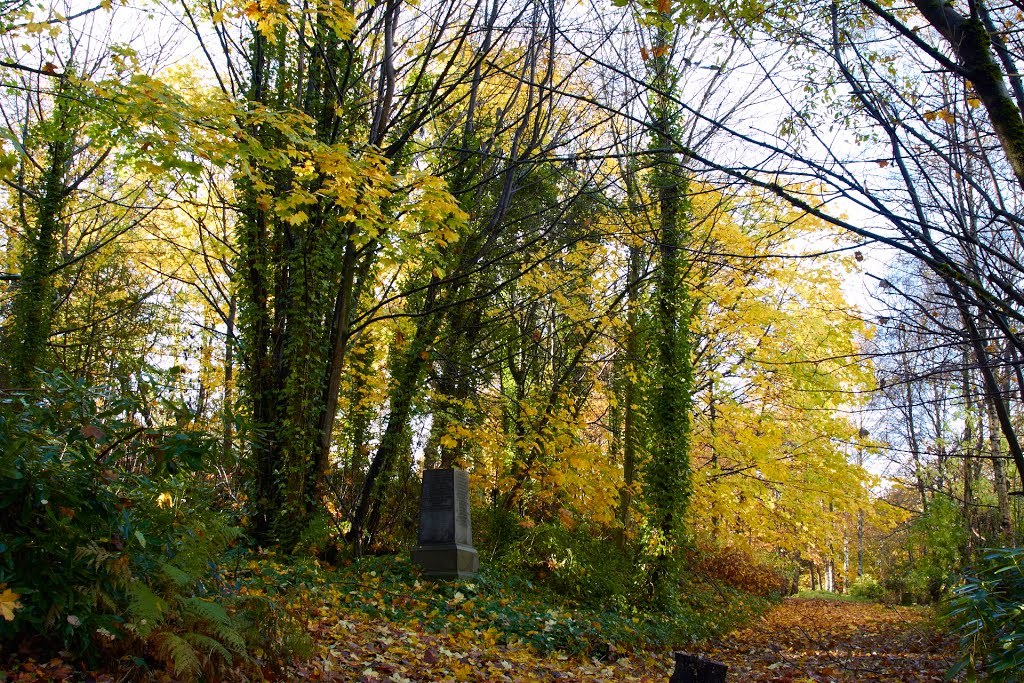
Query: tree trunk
228	409
972	44
32	310
667	476
407	375
999	478
629	398
914	449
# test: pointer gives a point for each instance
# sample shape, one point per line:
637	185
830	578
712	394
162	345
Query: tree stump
691	669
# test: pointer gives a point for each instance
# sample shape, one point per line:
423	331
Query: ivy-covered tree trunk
629	396
288	277
33	307
456	384
667	473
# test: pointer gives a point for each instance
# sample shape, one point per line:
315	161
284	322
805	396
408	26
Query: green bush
867	587
585	572
988	611
111	534
934	544
581	563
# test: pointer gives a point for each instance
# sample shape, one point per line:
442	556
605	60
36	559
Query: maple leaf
9	603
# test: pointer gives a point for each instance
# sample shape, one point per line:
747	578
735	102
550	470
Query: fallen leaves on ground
798	641
385	625
358	648
836	641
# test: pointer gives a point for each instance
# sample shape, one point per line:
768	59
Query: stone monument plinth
445	548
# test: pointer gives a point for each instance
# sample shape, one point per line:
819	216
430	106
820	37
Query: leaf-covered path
798	641
829	640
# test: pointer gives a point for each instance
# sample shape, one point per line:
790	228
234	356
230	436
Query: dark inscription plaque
437	507
445	548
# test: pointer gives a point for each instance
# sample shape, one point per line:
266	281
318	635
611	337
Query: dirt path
823	640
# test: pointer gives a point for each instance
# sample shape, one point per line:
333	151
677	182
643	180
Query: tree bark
999	478
972	44
32	310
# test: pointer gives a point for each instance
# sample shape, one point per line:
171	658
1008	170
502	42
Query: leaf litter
366	632
816	640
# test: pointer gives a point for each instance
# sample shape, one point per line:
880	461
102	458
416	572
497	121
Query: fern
95	556
176	575
179	655
146	607
211	646
213	616
206	610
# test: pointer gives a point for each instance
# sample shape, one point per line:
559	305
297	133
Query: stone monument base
447	560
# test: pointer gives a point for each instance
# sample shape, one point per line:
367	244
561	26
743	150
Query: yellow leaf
9	603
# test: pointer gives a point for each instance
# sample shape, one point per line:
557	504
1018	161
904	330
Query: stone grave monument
445	548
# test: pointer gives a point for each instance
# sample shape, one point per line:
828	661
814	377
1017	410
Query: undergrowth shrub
589	572
582	563
934	542
112	535
988	612
867	587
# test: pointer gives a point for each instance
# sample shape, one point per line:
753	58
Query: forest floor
837	640
797	641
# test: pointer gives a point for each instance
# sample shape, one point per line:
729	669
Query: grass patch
826	595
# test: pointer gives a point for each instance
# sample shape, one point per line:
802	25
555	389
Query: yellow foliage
8	603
